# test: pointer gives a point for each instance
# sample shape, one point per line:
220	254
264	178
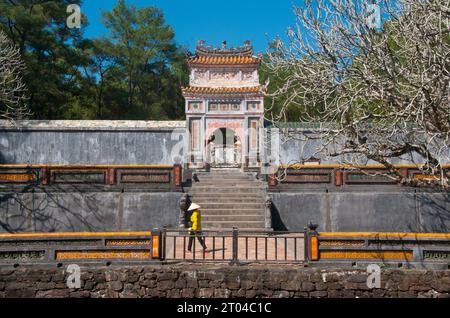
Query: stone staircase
229	197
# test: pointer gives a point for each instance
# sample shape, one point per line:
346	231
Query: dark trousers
192	235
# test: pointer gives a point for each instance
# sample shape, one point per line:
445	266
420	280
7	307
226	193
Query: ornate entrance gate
224	96
224	149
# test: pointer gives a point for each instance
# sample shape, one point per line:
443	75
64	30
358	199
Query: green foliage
49	49
134	73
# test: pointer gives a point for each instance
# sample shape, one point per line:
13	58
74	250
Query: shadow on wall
277	222
34	209
433	211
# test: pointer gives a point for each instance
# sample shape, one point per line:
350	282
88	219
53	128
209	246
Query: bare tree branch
382	94
12	87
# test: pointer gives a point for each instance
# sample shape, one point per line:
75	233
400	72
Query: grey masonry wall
298	144
94	211
146	142
396	211
218	281
88	142
123	142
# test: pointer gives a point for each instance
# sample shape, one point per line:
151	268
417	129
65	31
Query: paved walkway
286	247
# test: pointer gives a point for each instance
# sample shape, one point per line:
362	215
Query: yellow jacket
196	220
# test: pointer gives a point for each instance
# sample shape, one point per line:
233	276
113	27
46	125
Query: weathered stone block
301	294
240	293
350	286
441	285
333	286
222	293
111	276
180	283
334	293
281	294
132	278
203	283
167	276
250	294
206	292
406	294
187	293
56	293
348	294
357	278
44	286
321	286
173	293
165	285
57	278
16	286
80	294
148	283
318	294
191	282
307	286
273	284
115	285
232	282
247	284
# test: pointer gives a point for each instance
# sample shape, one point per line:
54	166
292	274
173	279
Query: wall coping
91	125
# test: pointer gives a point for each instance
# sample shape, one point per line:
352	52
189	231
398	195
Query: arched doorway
224	148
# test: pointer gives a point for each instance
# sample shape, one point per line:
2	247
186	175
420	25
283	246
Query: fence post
177	175
235	244
163	245
312	242
157	252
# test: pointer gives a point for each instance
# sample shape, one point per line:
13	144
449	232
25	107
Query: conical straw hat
193	206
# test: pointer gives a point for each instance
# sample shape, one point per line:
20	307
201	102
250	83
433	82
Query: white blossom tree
380	92
12	87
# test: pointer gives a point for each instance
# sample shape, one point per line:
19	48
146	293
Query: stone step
229	181
237	218
232	205
225	170
208	212
203	201
219	195
225	181
227	187
225	175
222	183
236	175
231	224
231	190
228	198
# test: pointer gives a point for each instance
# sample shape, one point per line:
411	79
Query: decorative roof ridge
207	50
225	60
201	89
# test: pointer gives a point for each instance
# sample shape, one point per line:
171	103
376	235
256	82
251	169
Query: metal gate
234	246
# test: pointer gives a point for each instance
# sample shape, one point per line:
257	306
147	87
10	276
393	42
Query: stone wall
359	211
91	211
222	281
88	142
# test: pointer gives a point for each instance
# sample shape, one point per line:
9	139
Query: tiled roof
221	90
224	60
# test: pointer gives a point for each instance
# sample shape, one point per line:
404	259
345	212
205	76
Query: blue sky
211	20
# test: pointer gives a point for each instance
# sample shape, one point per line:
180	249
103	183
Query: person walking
196	227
